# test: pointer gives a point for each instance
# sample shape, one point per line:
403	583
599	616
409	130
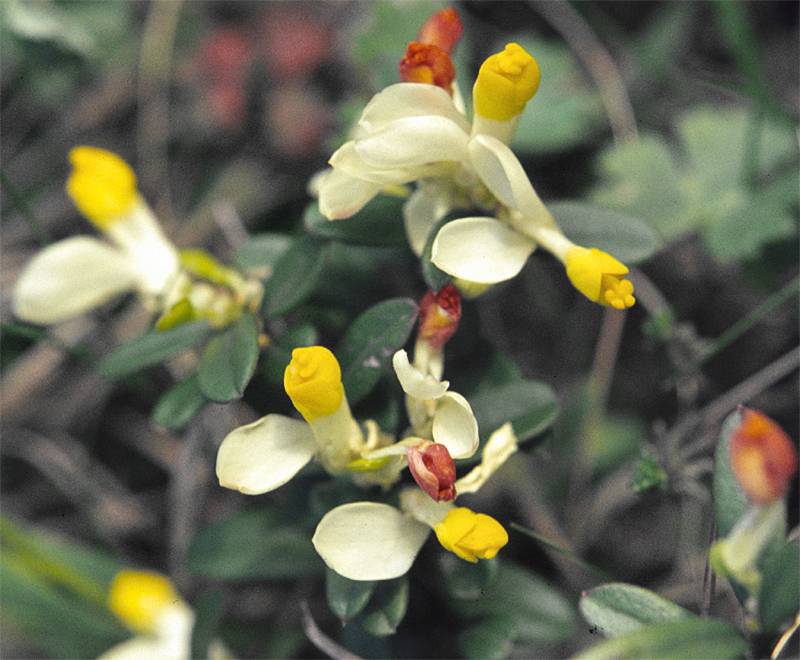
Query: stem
754	317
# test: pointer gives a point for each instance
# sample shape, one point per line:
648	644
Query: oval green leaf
379	223
294	277
229	360
686	638
261	252
371	341
624	236
179	404
152	348
346	598
531	406
616	609
386	608
780	591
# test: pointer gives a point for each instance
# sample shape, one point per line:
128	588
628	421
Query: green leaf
346	598
254	544
434	277
466	580
208	614
491	638
565	111
295	276
730	502
229	360
689	639
379	223
780	592
541	615
627	238
152	348
179	404
371	341
616	609
261	252
386	608
531	406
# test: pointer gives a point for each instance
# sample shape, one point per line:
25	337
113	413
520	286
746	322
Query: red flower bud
433	469
763	458
426	63
439	314
443	29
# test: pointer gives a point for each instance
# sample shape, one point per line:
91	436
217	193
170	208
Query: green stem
19	201
744	324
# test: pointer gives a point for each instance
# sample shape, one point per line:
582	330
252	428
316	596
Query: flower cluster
417	131
77	274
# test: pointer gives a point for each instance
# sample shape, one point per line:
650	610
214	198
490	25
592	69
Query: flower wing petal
342	195
413	142
369	541
500	446
501	171
414	382
481	250
264	455
409	100
69	278
347	159
455	426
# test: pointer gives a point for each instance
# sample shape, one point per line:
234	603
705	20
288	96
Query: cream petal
153	256
342	195
145	648
347	159
414	382
413	142
500	446
264	455
418	504
455	426
481	250
369	541
69	278
503	174
409	100
429	203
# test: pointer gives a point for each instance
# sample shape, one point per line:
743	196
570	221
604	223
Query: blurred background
681	114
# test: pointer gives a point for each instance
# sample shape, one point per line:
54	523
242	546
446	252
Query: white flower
77	274
373	541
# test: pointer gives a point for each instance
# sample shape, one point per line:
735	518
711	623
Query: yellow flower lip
139	598
599	277
506	82
102	185
471	536
313	381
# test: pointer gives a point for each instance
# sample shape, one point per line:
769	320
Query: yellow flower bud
313	381
471	535
139	598
506	82
102	185
598	276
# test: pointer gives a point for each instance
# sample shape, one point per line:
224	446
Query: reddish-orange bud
763	457
426	63
439	314
443	29
434	471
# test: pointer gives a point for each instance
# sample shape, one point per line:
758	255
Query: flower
73	276
77	274
375	541
763	458
417	132
148	604
262	456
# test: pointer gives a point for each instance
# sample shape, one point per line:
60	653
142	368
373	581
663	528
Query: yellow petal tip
102	185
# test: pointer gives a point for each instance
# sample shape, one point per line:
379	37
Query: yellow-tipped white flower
75	275
373	541
149	605
264	455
